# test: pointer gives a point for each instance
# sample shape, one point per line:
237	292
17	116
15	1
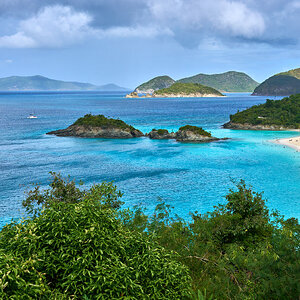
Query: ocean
189	177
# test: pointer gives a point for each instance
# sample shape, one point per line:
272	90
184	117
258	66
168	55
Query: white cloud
230	17
53	26
239	20
59	26
8	61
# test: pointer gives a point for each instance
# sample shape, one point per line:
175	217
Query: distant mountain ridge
281	84
230	81
41	83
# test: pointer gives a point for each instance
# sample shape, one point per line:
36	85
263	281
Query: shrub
81	250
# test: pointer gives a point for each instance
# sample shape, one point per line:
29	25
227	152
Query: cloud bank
60	23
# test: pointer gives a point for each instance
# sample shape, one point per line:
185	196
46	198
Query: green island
101	121
185	134
80	243
187	90
154	84
195	129
231	81
98	126
281	84
274	114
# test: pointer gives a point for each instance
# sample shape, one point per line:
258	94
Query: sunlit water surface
190	177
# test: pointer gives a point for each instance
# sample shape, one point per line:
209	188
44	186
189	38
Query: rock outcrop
247	126
186	134
189	136
98	132
161	134
132	95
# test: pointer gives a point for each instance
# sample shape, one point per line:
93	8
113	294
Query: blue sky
130	41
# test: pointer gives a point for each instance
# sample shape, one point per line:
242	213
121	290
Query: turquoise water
188	176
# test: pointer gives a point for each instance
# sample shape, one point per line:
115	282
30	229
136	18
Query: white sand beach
293	142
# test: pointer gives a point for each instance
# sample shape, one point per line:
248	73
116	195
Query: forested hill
225	82
282	84
283	113
155	84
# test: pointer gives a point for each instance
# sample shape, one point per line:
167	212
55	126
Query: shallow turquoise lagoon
190	177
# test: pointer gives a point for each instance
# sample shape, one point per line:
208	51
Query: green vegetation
285	112
77	247
187	88
278	85
154	84
226	82
102	121
282	84
161	131
195	129
294	73
41	83
79	244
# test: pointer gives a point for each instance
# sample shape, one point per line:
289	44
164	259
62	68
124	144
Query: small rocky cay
91	126
99	126
186	134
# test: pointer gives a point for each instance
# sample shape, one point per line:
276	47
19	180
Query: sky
128	42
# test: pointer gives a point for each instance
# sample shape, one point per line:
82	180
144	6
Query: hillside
225	82
187	90
41	83
294	73
282	84
278	85
155	84
274	115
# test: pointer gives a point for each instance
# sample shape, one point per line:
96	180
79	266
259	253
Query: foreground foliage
80	249
285	112
79	244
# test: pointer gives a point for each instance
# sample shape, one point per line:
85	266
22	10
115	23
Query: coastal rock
247	126
189	136
132	95
98	132
147	96
161	134
183	95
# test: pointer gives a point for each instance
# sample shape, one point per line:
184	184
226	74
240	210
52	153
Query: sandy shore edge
293	142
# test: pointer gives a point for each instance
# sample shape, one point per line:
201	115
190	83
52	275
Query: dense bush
102	121
79	244
285	112
238	251
80	249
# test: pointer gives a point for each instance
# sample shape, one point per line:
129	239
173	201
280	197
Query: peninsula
99	126
273	115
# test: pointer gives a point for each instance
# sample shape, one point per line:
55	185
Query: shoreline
293	142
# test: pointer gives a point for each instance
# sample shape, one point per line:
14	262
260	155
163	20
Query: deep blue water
188	176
